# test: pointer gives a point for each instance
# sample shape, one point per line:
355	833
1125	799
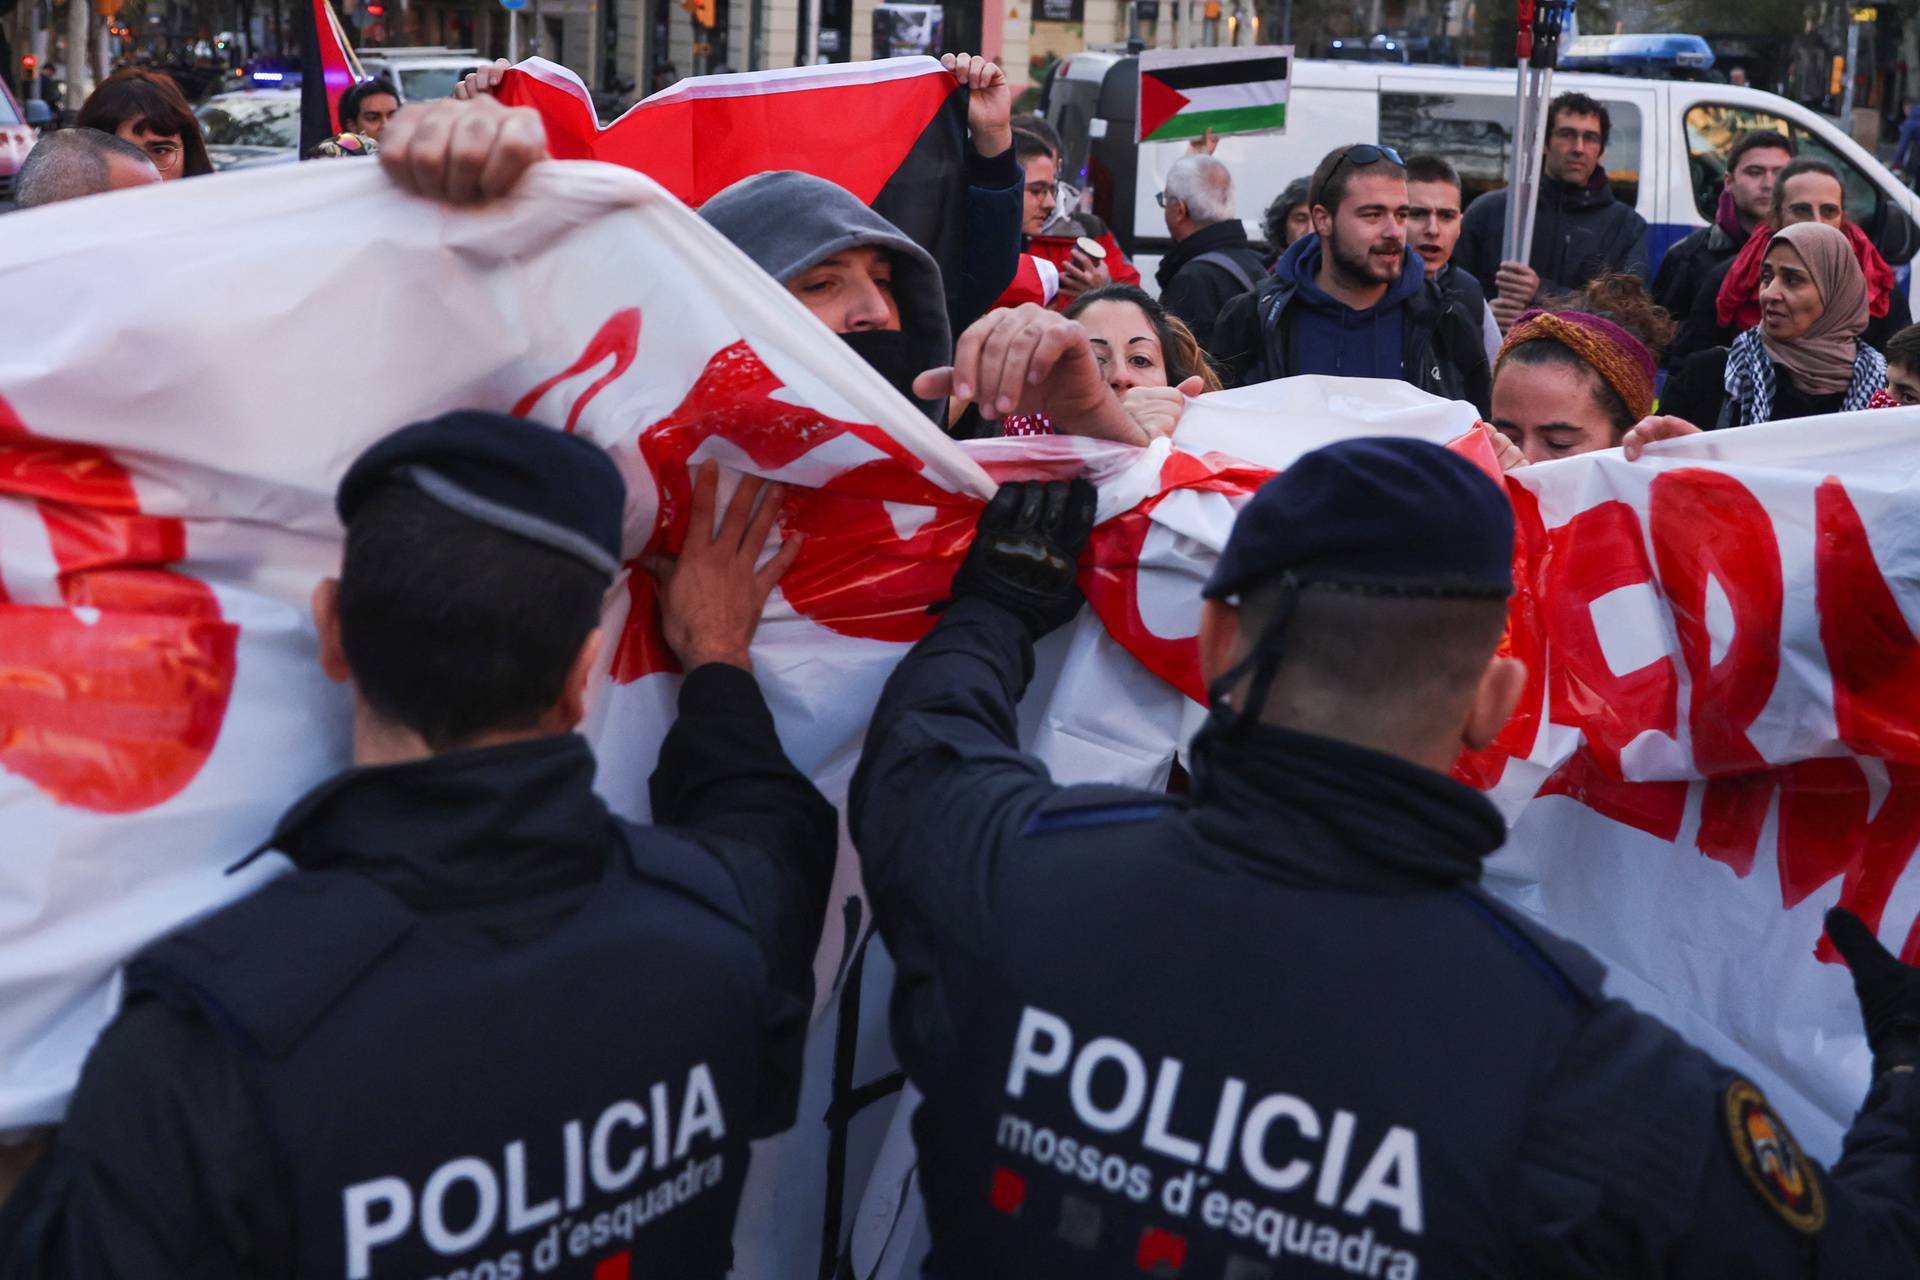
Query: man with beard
1580	231
1746	199
1349	300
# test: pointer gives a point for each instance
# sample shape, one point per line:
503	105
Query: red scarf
1738	304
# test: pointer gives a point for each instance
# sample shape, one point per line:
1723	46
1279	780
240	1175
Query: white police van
1666	157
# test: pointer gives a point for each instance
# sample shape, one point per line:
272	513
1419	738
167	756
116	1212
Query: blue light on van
1624	53
270	77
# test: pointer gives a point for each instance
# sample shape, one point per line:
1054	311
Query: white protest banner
167	458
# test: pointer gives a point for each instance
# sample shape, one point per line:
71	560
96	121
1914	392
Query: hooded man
1349	300
1580	230
866	280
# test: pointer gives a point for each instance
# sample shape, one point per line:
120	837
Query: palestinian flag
1185	92
327	70
893	132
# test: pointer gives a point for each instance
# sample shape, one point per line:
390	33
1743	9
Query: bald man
79	162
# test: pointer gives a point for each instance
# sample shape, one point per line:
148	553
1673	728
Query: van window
1711	131
1475	132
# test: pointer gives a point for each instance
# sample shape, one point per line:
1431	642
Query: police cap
1382	515
529	480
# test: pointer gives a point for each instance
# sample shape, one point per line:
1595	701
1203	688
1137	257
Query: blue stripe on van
1662	236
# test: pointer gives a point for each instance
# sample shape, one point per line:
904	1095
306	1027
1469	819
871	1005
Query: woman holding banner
1805	357
1572	382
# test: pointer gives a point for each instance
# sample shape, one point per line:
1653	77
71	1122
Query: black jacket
1578	233
1152	1029
1196	291
165	1167
990	254
1685	269
1464	294
1701	330
1443	348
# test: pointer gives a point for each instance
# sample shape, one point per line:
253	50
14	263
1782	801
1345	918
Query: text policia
582	1170
1238	1145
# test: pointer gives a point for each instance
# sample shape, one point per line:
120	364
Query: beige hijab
1820	361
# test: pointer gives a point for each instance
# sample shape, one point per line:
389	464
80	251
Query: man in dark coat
1211	261
1580	230
1746	199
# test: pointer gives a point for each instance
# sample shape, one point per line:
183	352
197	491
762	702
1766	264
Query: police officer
484	1028
1278	1029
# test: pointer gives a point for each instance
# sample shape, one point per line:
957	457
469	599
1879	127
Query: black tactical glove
1026	551
1889	992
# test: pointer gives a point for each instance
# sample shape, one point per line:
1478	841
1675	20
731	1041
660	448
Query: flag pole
1536	47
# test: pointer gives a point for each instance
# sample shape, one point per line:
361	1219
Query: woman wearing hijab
1805	357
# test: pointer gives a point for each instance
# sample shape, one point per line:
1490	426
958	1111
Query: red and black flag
327	70
893	132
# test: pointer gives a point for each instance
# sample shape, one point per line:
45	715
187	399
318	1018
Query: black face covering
891	355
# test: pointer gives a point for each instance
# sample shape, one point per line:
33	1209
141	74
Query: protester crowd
1041	932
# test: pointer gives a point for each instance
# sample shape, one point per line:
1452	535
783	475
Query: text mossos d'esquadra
1320	1156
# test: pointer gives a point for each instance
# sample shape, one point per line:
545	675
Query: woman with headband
1573	382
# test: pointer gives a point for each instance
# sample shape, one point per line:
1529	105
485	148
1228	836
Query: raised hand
1028	359
989	102
485	80
462	152
1157	410
712	594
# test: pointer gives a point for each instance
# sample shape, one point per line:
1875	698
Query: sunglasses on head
1364	153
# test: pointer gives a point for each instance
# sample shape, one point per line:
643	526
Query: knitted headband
1619	357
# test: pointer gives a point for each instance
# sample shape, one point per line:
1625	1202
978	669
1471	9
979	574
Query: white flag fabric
1721	739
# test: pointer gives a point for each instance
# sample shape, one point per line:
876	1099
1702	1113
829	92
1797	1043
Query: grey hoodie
788	221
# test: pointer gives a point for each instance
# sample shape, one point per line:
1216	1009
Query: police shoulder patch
1772	1160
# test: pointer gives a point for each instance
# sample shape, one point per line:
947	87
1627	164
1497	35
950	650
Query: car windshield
7	115
251	122
424	83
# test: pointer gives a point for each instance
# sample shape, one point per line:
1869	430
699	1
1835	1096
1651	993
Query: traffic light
376	10
702	11
29	67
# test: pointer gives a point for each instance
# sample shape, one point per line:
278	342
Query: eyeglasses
164	155
1160	198
1359	155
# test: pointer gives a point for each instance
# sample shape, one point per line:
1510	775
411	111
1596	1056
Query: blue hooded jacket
1330	337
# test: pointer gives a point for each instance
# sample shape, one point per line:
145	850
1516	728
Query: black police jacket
483	1029
1279	1031
1443	347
